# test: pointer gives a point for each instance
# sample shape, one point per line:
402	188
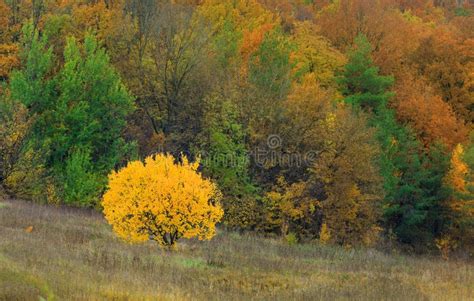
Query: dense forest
343	121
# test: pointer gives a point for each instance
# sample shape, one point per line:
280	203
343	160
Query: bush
162	200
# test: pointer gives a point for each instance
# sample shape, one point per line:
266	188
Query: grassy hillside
71	254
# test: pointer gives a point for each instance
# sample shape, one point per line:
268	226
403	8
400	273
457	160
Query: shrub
162	200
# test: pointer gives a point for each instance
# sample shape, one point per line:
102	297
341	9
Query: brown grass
72	254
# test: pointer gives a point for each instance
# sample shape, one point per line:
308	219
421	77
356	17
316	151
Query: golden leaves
162	200
456	177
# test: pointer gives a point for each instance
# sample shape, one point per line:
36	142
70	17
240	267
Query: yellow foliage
315	55
245	14
51	194
19	168
461	204
456	177
250	18
162	200
446	244
288	204
343	218
8	50
324	234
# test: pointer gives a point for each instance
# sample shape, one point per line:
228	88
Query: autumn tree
347	171
161	200
291	209
269	66
14	128
169	69
314	54
8	49
418	105
339	151
446	60
181	45
461	204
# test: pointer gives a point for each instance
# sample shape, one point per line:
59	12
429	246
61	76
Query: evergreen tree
414	191
361	83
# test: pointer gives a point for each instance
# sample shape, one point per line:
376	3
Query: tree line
379	93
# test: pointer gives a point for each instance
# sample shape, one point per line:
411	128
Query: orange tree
162	200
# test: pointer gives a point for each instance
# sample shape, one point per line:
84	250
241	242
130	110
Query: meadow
63	253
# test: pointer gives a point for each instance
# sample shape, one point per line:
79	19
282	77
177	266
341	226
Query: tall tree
412	178
361	83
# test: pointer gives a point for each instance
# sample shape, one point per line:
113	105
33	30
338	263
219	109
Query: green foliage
291	239
31	84
227	43
269	66
412	177
92	106
225	157
462	12
361	83
416	209
81	186
82	107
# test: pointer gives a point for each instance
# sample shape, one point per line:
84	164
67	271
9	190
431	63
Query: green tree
91	107
80	112
361	83
414	191
32	85
269	66
225	158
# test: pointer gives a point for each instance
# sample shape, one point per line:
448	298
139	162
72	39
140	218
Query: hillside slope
72	254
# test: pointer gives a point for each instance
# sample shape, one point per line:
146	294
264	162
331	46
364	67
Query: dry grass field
49	253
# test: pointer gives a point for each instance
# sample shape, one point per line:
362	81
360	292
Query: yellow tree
352	187
315	55
244	14
338	200
289	206
162	200
446	59
461	204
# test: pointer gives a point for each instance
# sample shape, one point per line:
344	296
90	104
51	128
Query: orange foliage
8	51
251	42
447	60
432	118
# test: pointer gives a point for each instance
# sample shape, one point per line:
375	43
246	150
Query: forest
347	122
